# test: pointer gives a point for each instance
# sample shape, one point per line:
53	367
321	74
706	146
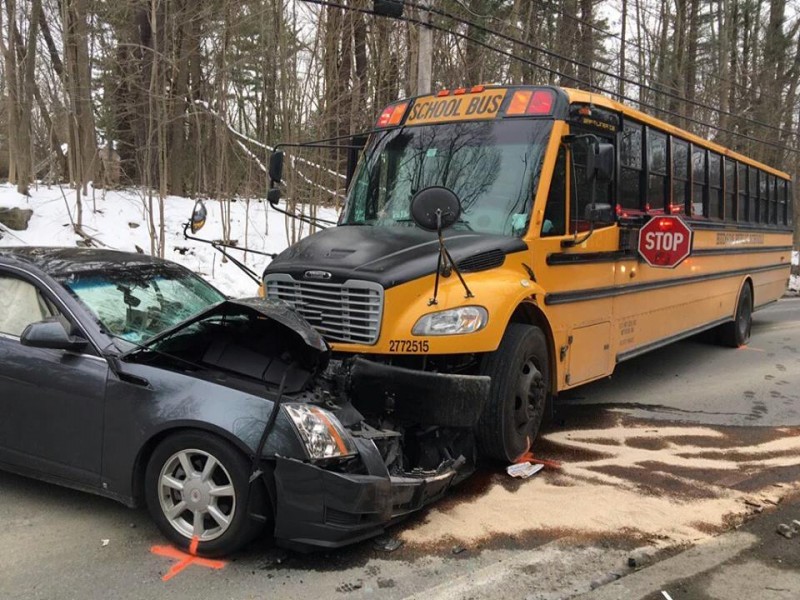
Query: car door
51	401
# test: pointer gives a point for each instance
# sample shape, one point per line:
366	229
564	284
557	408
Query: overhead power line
556	72
593	68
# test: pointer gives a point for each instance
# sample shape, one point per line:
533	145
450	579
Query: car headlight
321	432
455	321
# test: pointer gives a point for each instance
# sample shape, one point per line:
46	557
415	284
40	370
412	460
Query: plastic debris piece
105	543
785	531
523	470
457	549
387	544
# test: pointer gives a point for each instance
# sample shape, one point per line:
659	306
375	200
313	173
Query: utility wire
556	72
596	69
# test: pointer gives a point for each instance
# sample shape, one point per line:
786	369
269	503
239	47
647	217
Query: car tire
219	503
519	392
737	332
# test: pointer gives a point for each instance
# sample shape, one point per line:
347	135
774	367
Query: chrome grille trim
348	312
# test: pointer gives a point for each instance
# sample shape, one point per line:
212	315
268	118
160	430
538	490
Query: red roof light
529	102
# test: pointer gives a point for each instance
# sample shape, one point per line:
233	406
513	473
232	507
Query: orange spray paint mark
184	560
751	348
528	457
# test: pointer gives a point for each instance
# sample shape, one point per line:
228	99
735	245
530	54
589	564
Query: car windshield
492	166
134	303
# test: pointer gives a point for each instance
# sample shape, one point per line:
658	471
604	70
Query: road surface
676	447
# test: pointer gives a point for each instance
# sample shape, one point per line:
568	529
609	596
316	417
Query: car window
21	304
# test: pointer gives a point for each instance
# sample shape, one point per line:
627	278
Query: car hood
274	310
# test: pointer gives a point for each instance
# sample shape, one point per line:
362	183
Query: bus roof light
477	89
541	103
459	91
392	115
443	93
530	102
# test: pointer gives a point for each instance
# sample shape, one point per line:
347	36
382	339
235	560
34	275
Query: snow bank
120	223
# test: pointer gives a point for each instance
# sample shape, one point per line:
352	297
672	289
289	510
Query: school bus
556	187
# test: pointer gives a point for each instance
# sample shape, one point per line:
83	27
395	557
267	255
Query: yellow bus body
599	312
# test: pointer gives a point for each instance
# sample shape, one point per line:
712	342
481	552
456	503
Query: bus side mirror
604	162
198	219
599	213
275	168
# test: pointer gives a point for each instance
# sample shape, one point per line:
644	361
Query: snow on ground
120	222
794	280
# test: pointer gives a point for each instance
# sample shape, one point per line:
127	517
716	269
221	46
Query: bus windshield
492	166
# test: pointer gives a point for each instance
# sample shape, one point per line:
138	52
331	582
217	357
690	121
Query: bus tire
520	374
736	333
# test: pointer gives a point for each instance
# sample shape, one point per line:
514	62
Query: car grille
348	312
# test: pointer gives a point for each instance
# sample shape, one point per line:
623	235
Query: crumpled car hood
274	310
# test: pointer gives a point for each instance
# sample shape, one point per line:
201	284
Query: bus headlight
321	432
455	321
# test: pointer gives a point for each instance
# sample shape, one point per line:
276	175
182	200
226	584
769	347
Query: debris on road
457	549
350	587
528	457
387	544
523	470
785	531
105	543
640	558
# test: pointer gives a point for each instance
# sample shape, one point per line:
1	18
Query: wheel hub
196	494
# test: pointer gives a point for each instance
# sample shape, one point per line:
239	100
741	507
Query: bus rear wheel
520	374
737	332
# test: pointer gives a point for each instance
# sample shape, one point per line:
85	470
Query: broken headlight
322	434
467	319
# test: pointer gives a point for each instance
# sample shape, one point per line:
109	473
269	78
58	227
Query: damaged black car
133	378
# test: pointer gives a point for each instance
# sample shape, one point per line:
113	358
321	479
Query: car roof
57	261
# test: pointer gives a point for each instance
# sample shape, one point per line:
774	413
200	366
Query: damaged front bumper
318	508
431	415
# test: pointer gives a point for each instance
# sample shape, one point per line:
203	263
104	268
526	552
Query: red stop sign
665	241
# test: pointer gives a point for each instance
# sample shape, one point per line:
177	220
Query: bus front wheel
737	332
520	374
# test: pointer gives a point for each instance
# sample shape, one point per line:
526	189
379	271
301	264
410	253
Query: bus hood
389	256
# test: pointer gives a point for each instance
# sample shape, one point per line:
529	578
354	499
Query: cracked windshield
136	304
493	167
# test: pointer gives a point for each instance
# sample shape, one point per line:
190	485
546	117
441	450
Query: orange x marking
184	560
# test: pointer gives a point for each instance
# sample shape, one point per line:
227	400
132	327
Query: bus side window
782	197
773	200
715	200
630	197
555	221
730	210
657	167
742	216
752	210
699	181
680	175
763	200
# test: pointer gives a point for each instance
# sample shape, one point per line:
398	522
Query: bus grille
348	312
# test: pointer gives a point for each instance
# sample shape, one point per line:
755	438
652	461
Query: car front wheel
197	487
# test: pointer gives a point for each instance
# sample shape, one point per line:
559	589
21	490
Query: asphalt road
58	543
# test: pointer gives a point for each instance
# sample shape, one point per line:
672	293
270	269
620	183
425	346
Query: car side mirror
51	334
